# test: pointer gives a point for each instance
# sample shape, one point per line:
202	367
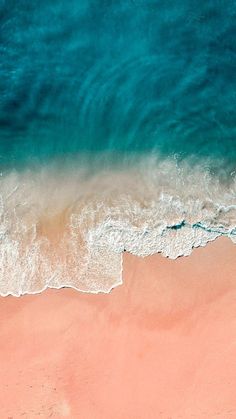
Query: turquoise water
118	76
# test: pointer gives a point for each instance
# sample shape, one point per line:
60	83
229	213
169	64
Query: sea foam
67	225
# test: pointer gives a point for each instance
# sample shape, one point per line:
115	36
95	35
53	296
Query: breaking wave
67	225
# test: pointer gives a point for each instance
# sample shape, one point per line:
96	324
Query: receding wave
67	225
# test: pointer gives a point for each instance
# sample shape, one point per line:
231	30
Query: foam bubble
60	226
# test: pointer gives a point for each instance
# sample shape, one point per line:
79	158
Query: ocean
117	133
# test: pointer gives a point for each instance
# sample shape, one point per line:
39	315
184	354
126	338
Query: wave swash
62	226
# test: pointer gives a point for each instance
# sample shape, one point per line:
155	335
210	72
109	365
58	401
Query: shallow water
69	227
116	132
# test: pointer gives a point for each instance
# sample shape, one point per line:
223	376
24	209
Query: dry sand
163	345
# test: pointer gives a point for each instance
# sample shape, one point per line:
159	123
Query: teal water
118	76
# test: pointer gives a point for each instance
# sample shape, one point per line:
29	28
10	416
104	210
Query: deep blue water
120	76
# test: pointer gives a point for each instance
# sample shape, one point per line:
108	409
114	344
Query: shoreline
67	228
120	280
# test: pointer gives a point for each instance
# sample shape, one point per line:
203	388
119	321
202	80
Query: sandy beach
162	345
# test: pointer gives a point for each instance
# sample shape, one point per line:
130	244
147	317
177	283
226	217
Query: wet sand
162	345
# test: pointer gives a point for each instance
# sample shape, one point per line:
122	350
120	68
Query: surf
65	225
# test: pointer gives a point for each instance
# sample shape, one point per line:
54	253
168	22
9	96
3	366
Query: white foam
61	227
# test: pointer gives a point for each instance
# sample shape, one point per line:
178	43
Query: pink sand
163	345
